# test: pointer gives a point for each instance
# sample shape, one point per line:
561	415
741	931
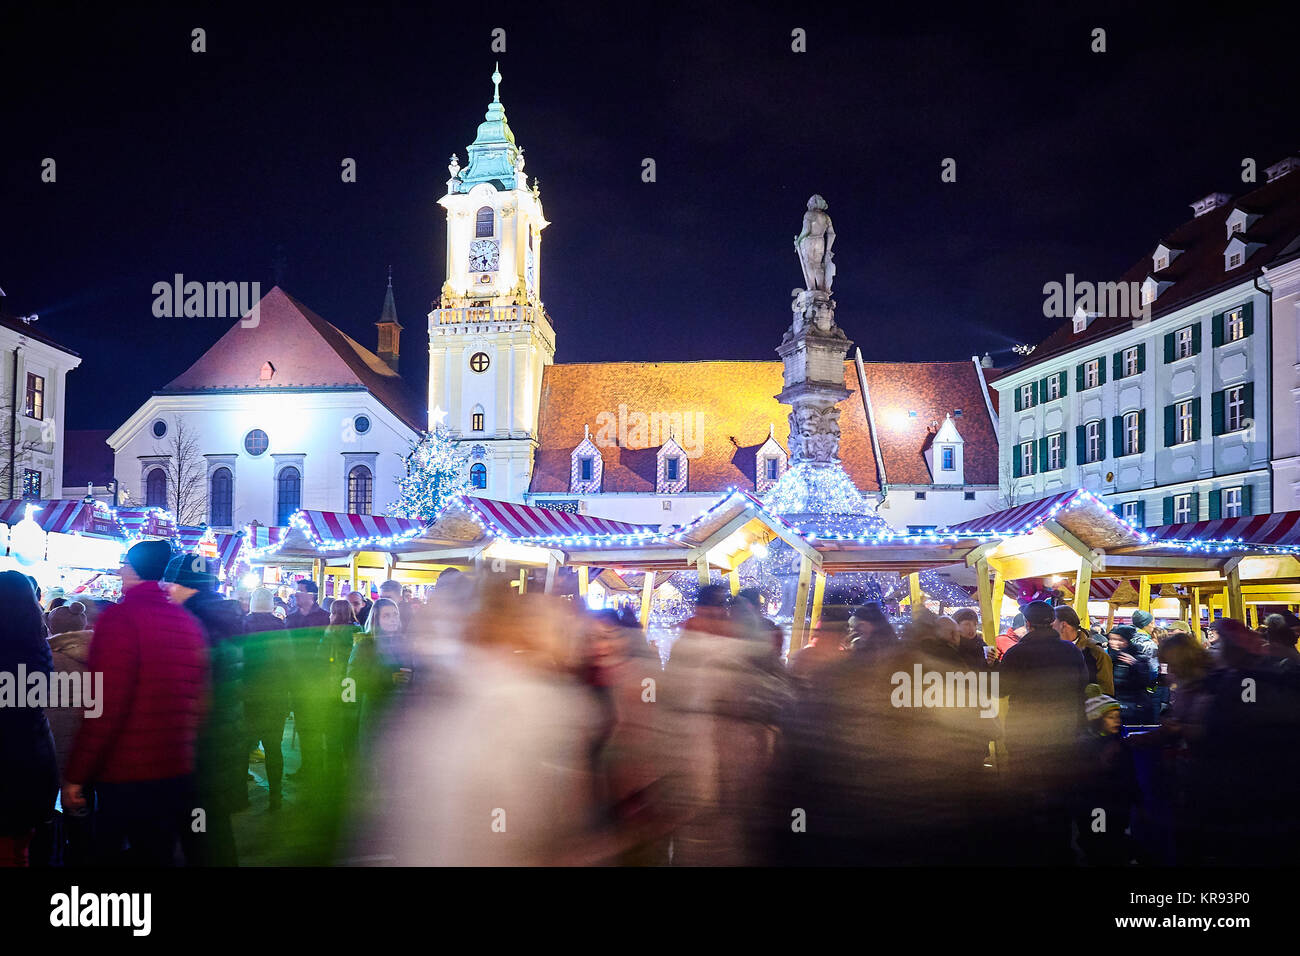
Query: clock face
483	255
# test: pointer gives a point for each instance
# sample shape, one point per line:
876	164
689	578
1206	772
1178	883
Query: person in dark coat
222	757
139	753
1135	669
360	607
970	644
870	631
268	671
1108	786
27	760
1100	670
305	627
1043	678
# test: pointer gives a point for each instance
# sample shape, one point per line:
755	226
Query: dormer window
672	468
266	373
949	459
1163	255
1240	221
587	468
770	462
1238	250
1234	260
1162	262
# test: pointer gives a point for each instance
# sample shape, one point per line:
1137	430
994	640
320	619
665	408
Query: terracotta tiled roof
731	406
1198	270
305	352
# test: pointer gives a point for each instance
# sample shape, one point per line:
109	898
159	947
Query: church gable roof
304	351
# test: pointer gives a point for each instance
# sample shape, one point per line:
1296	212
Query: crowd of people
488	727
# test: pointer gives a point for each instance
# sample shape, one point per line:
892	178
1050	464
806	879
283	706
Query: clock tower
489	334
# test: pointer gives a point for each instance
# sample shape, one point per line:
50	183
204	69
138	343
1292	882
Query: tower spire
389	328
496	82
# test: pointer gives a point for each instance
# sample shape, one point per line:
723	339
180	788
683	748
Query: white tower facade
490	336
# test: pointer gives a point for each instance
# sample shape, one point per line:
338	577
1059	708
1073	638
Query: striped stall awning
1103	589
228	545
334	529
1279	530
64	517
1016	520
138	522
530	522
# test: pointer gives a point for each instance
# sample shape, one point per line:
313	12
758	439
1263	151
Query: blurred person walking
268	679
870	631
67	841
139	753
1108	785
305	627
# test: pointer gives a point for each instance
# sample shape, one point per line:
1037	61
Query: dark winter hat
1067	615
191	570
67	617
1141	618
1039	614
1097	703
1288	618
713	595
1126	631
1018	621
148	559
753	595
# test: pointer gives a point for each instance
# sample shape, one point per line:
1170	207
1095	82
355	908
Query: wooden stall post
914	593
1235	607
1196	615
552	568
989	616
1082	587
702	565
799	623
647	597
819	592
583	575
1144	594
733	581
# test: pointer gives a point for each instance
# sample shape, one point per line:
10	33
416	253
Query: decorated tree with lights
435	473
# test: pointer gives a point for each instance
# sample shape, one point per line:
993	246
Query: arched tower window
288	495
155	489
485	223
478	476
221	487
360	489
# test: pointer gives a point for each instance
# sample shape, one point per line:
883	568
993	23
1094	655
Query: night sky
211	164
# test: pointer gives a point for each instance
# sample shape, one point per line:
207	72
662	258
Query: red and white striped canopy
1016	520
145	521
228	545
1281	530
349	530
65	516
529	522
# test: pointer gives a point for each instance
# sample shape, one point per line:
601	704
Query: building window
1027	461
1234	260
256	442
31	484
155	489
773	469
949	459
1234	325
35	406
479	362
361	424
1092	374
1129	511
1183	343
969	496
920	496
1234	406
1162	262
1027	395
1054	452
1237	226
221	488
1183	423
1053	387
485	223
1130	362
671	468
1232	502
1132	434
921	528
288	495
586	468
1182	509
360	490
1092	441
478	476
159	428
476	422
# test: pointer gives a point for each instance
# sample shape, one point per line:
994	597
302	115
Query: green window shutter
1064	451
1169	511
1142	357
1216	504
1216	413
1065	389
1117	366
1080	437
1015	460
1042	454
1196	339
1248	400
1142	429
1218	329
1118	509
1142	514
1169	348
1170	432
1101	441
1196	419
1117	432
1042	390
1248	317
1101	370
1245	501
1194	503
1019	407
1078	378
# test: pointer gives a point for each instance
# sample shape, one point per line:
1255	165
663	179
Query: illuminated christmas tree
435	473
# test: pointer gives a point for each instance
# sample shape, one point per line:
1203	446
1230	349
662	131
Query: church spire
493	155
389	328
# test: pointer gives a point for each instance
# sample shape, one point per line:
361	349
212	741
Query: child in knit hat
1108	786
1103	712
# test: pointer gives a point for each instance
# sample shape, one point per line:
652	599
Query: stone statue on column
814	247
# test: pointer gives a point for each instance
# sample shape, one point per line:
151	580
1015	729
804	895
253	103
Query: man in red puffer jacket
139	752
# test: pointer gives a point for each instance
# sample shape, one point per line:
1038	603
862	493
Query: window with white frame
1053	387
1183	422
1238	226
1092	441
1182	509
1183	343
1092	373
949	458
1234	404
1234	325
1130	362
1234	260
1054	451
1027	395
1130	512
1162	262
1027	458
586	468
1132	436
1232	502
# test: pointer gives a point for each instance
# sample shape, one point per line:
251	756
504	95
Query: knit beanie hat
1126	631
1039	614
191	570
1097	702
148	559
1141	618
67	617
261	601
